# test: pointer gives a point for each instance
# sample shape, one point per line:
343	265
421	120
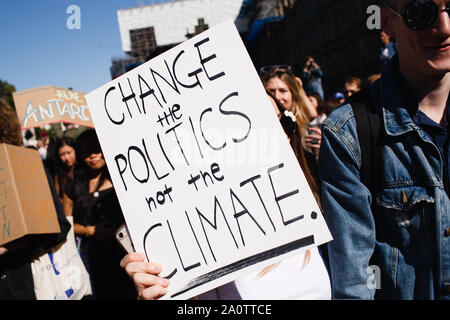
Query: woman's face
314	101
281	91
92	156
67	155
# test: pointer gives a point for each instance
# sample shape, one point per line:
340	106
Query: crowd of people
374	154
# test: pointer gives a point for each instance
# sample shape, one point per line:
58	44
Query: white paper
200	113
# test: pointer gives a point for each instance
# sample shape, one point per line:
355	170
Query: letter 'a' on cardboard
26	203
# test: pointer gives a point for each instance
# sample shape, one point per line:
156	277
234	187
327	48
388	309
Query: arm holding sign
92	200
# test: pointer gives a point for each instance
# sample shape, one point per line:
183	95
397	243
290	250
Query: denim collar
397	101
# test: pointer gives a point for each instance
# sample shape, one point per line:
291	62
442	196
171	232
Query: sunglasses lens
283	66
267	69
419	15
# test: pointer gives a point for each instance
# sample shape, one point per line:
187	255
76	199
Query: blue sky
38	49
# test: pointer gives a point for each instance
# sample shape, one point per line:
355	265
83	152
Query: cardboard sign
44	105
206	178
26	203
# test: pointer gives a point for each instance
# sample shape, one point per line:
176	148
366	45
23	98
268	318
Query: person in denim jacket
394	243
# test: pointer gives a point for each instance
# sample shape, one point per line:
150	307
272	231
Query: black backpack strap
368	124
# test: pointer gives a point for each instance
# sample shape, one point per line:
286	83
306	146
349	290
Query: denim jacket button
447	232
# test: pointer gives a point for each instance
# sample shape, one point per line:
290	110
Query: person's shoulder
340	117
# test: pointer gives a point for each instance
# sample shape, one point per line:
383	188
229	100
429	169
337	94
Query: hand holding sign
205	176
145	275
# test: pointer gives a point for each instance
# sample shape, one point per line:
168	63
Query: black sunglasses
268	69
419	14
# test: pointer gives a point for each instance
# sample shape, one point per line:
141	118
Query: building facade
275	32
171	21
147	31
334	32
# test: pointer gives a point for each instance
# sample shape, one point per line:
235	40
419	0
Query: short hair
10	132
316	96
354	80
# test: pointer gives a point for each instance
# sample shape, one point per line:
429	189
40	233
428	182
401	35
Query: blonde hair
299	107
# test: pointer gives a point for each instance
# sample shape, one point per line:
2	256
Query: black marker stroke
235	266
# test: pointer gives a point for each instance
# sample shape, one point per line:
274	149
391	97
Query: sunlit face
314	101
92	156
94	161
350	88
427	51
67	155
281	91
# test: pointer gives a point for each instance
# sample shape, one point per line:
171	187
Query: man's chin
439	62
439	67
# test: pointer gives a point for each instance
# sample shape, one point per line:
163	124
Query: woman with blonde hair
284	86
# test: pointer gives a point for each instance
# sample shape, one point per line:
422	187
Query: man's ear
387	22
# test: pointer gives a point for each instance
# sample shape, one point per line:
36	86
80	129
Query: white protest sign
206	178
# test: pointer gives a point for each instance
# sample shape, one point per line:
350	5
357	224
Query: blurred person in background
42	144
312	77
387	50
65	164
315	99
351	86
339	97
324	109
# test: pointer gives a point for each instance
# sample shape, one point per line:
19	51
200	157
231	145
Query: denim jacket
395	243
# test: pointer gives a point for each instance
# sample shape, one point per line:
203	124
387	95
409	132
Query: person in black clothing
65	163
92	201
